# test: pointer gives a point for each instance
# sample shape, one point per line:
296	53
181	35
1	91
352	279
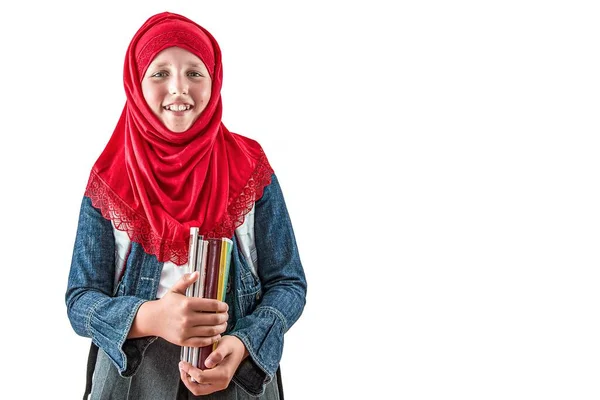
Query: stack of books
211	258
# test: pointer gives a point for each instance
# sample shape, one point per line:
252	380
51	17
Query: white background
440	162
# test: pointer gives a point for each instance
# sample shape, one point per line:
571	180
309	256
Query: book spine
227	266
186	352
199	287
222	261
211	287
212	268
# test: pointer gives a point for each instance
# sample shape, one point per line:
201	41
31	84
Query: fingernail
181	365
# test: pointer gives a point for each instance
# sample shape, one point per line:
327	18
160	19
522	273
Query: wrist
241	346
143	323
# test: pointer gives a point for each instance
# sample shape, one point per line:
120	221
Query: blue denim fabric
262	308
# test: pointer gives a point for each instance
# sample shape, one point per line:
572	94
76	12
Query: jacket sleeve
91	307
283	292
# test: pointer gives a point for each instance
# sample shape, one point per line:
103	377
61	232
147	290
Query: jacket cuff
126	354
262	334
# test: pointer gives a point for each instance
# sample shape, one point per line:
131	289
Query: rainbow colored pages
211	257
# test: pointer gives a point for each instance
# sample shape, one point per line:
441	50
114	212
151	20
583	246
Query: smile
177	107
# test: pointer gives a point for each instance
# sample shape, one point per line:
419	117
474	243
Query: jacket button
258	296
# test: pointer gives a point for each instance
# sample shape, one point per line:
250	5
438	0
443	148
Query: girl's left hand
221	363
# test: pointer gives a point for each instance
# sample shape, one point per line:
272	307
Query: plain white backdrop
440	163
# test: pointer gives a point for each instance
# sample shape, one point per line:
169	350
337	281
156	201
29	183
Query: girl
170	165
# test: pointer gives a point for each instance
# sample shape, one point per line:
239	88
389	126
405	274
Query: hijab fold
156	184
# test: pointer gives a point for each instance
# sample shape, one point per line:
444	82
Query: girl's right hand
189	321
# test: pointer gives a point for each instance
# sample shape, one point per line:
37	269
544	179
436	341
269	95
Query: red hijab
155	184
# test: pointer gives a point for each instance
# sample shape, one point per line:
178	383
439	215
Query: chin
178	128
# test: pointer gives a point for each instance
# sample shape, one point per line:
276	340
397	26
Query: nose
178	85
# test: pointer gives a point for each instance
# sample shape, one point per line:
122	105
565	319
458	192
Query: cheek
152	96
204	93
208	89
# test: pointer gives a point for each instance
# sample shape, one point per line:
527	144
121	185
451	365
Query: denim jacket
262	305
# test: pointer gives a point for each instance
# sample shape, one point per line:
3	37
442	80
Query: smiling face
177	88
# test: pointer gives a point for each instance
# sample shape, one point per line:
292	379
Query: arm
124	326
283	292
91	309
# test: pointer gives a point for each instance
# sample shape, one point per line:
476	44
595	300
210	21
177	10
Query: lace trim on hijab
139	230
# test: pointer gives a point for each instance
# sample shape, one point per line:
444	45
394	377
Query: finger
196	341
214	359
218	355
208	305
190	371
194	377
190	382
206	331
206	319
182	284
217	376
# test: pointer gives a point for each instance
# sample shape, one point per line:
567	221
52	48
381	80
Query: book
196	244
212	258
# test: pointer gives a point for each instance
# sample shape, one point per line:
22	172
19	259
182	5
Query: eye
195	74
160	74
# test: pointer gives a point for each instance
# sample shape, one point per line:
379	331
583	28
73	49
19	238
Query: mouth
178	107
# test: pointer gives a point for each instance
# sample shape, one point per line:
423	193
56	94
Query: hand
222	364
189	321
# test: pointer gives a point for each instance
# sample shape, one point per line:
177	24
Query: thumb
186	280
216	357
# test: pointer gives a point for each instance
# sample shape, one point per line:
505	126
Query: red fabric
155	184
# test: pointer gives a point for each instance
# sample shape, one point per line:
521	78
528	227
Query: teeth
180	107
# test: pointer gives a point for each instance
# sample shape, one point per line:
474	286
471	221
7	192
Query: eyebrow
166	64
